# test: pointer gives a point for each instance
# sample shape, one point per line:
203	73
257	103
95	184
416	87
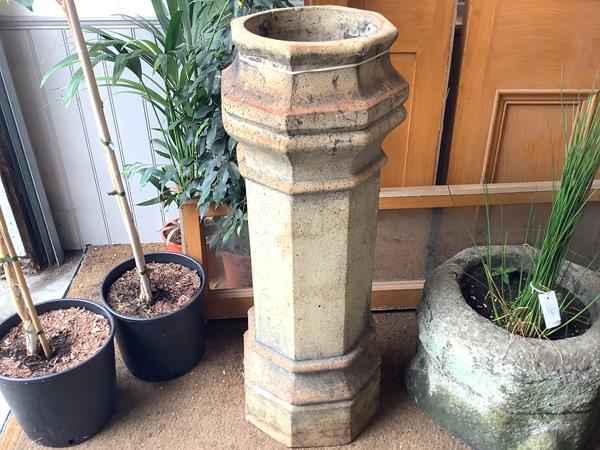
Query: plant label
550	308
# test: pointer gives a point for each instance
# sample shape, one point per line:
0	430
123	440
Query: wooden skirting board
422	197
229	303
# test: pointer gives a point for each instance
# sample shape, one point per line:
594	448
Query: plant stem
20	294
109	153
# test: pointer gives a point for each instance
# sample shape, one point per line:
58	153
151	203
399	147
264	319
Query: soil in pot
173	286
474	288
74	336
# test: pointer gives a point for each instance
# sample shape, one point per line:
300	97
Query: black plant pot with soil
163	347
69	407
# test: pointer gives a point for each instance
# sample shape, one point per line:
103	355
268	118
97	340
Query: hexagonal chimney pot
310	97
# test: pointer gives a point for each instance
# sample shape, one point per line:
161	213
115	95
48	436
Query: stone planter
495	390
310	97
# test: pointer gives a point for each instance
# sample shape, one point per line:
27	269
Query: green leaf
211	135
119	67
146	175
173	31
152	201
147	25
161	14
228	234
204	196
71	89
66	62
26	3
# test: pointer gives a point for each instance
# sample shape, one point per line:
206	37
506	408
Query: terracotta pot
169	244
238	270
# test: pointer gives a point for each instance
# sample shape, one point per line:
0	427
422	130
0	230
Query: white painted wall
65	140
85	8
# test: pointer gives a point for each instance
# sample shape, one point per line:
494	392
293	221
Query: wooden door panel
522	64
395	145
422	55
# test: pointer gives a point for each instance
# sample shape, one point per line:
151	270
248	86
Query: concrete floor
49	284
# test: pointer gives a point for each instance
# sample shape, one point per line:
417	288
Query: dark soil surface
474	288
74	335
173	286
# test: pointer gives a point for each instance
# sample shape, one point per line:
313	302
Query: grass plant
520	312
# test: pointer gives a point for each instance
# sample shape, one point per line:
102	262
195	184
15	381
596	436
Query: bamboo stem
20	294
109	153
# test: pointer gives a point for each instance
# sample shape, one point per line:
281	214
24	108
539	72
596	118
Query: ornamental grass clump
520	312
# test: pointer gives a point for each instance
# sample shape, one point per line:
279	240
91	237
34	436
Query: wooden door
422	55
521	60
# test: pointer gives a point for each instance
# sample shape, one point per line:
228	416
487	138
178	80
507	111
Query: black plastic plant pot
163	347
69	407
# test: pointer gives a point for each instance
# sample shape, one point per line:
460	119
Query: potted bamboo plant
177	72
508	353
154	298
56	359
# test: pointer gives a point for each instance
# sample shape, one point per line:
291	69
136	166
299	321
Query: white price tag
550	309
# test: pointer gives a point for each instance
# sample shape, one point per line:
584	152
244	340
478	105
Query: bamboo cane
20	294
31	341
109	153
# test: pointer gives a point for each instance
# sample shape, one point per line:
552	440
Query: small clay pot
166	236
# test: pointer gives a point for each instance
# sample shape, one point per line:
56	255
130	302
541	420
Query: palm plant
521	312
177	72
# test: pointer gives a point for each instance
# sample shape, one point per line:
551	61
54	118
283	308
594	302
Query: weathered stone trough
310	97
495	390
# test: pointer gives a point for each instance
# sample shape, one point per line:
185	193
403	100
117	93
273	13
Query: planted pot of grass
56	359
508	353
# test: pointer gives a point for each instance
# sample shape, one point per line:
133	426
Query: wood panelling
422	55
519	58
472	195
225	303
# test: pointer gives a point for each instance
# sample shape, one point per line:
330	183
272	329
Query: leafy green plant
177	71
520	312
